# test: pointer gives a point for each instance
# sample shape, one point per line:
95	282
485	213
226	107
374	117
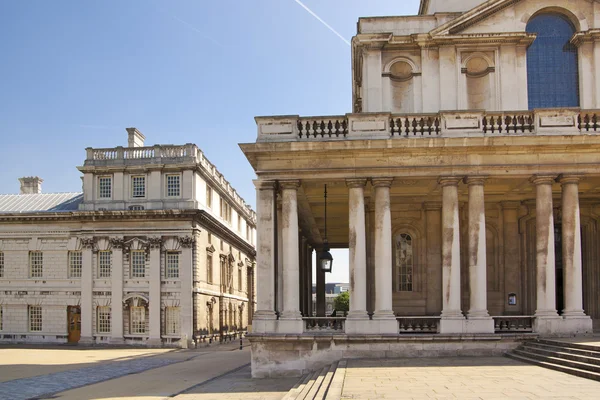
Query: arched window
552	67
404	262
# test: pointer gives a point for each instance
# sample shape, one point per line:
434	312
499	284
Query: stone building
157	250
465	183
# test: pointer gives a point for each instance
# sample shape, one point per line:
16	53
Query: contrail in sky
192	27
321	21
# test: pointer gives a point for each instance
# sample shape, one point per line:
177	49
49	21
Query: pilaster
154	305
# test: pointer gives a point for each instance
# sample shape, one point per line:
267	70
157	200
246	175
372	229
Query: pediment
511	17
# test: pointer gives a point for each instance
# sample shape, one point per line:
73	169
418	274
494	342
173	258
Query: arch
578	20
131	296
388	67
417	251
400	87
552	62
478	54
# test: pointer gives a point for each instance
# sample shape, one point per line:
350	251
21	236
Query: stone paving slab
461	378
38	386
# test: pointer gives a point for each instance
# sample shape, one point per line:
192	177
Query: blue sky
75	74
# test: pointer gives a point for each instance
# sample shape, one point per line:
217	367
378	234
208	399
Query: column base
577	324
264	325
357	315
548	325
290	326
479	325
452	325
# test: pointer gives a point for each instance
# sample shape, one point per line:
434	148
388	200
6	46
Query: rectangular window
35	318
36	261
240	288
209	196
239	223
1	264
75	263
103	319
138	186
173	189
225	210
138	264
1	315
172	320
209	238
105	187
138	320
172	267
248	232
104	264
209	268
136	208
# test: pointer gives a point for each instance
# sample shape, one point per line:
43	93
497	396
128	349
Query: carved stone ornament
155	242
117	243
88	243
186	241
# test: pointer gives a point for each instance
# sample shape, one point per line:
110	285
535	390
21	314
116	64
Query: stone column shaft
291	267
187	308
358	250
87	282
116	307
265	255
477	249
450	249
154	296
383	250
571	248
545	262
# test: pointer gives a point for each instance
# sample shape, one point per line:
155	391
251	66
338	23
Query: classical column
545	313
383	257
358	250
291	260
571	251
264	316
279	259
433	222
154	305
87	284
452	318
512	257
186	245
479	320
116	307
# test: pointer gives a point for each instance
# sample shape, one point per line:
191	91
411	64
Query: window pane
552	65
404	262
138	264
138	184
75	263
35	318
36	261
138	320
104	264
209	269
105	187
103	320
172	270
172	320
1	264
172	185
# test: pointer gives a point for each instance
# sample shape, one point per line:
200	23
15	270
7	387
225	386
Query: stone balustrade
444	124
410	325
513	323
324	324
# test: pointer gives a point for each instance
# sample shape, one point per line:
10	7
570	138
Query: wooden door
74	323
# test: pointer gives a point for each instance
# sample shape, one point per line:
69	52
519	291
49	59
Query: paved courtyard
223	372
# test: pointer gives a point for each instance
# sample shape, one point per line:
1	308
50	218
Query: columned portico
575	319
358	256
291	318
452	318
546	317
384	314
479	320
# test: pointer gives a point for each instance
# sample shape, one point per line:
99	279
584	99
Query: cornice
472	17
589	36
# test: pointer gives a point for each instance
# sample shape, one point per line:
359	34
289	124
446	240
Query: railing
513	323
324	324
322	127
418	324
443	124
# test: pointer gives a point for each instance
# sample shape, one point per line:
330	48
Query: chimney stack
134	138
31	185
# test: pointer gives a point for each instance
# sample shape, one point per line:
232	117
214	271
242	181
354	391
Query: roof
42	202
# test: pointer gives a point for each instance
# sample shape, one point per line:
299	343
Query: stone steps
574	359
326	383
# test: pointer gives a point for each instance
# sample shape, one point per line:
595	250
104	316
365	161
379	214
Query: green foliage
342	302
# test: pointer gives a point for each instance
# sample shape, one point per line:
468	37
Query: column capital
432	205
475	180
291	184
543	179
450	180
264	185
510	205
356	182
382	182
566	179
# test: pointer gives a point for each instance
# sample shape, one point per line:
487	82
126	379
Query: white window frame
172	265
104	268
402	267
105	178
35	318
141	192
137	320
103	319
1	264
172	321
178	187
75	264
134	271
36	264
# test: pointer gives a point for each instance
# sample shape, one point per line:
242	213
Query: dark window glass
552	70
